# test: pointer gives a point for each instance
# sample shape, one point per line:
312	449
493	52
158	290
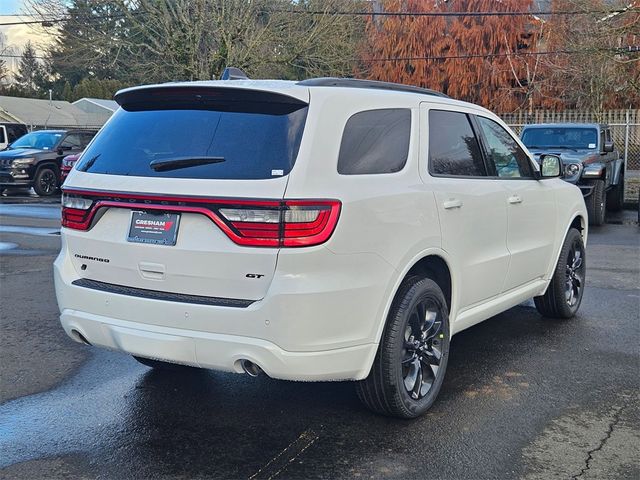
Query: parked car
362	226
10	132
590	159
34	160
67	164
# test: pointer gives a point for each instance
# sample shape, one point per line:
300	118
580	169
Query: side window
504	153
72	141
86	138
3	137
375	141
453	147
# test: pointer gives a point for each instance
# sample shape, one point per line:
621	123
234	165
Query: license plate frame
156	228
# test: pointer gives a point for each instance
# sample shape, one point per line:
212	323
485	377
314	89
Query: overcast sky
16	36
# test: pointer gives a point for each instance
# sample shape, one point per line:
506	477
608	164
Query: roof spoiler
233	73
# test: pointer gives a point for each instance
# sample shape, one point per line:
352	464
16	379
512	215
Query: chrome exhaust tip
250	368
80	337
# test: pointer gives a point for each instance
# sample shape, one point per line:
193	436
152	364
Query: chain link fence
625	129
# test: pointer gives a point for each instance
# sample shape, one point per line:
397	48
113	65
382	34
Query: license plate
156	228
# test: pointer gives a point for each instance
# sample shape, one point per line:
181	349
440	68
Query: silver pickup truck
590	161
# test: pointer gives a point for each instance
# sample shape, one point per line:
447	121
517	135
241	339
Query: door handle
515	199
452	203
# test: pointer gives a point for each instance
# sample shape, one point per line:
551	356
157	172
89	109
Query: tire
562	298
46	181
411	361
160	365
596	203
615	196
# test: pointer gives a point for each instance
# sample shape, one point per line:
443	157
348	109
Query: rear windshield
259	140
560	137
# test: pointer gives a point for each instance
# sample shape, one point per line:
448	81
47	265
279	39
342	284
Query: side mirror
63	148
608	147
550	166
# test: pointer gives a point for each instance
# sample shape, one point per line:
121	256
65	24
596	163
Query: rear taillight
291	223
76	211
252	223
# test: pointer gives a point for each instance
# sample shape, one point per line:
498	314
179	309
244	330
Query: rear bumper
217	351
318	321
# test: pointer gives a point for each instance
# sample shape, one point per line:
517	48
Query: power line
460	14
48	22
626	49
51	21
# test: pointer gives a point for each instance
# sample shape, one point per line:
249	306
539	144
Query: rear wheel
409	367
160	365
564	294
45	182
615	196
597	203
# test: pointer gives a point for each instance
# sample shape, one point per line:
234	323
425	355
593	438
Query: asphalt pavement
524	397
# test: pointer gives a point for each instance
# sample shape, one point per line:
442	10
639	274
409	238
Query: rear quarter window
375	142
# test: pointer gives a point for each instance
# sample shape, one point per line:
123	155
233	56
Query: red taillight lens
76	211
252	223
294	223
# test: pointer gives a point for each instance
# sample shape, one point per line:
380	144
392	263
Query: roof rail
374	84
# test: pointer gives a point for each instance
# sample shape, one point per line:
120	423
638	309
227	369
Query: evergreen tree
31	76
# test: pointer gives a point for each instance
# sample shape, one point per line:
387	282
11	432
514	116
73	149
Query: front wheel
597	203
564	294
410	364
45	182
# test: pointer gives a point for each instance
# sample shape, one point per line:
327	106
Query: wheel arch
48	163
434	264
579	222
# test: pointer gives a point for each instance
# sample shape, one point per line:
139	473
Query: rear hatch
182	192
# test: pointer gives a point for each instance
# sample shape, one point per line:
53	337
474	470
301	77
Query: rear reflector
251	223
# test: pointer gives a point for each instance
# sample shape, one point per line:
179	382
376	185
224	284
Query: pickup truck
589	158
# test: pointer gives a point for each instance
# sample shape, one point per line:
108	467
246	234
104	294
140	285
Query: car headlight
22	162
572	170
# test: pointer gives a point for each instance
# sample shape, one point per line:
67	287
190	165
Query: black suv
34	159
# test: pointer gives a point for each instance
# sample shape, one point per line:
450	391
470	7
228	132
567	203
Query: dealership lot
524	397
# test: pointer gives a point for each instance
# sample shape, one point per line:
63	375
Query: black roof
355	83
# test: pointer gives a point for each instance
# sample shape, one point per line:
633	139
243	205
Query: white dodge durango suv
327	229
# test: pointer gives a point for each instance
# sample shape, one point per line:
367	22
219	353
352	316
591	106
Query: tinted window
253	144
40	140
560	137
3	138
72	141
504	152
453	147
86	138
375	141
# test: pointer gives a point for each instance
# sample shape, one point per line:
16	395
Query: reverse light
79	203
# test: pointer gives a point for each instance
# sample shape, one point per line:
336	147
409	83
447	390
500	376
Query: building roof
110	105
44	113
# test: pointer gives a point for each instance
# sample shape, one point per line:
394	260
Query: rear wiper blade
183	162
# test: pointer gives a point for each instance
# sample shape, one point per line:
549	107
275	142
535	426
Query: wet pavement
523	398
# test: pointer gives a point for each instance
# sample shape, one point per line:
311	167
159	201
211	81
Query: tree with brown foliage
498	78
599	74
